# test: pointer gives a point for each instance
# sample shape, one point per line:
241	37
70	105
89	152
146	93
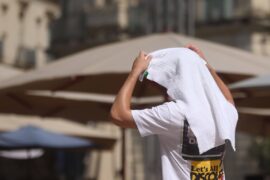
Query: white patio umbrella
7	72
22	154
259	82
258	86
254	92
254	104
79	107
255	121
103	69
58	125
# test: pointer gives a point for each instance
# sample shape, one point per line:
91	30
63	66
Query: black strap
190	150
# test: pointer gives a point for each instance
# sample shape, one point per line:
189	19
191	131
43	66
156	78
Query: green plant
260	149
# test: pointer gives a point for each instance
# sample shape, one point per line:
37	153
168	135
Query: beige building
88	23
260	8
122	12
260	40
24	31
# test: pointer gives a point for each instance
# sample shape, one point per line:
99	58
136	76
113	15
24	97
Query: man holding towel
193	127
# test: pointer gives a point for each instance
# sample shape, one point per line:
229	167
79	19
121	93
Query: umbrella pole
123	154
29	164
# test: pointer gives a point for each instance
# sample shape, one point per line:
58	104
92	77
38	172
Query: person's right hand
141	62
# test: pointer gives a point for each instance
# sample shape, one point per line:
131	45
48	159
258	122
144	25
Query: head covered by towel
188	81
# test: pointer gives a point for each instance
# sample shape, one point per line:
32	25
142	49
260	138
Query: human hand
141	62
200	53
197	50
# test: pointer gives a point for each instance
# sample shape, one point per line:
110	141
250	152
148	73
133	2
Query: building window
38	20
1	50
27	58
4	8
23	8
109	2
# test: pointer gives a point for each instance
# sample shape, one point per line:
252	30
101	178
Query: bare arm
120	111
222	86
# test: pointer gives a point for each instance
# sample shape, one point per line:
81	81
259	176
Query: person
165	121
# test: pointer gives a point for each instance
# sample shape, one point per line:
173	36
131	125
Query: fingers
188	45
142	54
145	56
193	47
196	49
148	57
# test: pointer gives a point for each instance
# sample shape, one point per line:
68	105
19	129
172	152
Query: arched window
23	8
4	8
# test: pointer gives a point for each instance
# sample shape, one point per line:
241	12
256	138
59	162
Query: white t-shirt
167	121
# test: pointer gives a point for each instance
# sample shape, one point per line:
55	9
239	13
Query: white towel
187	79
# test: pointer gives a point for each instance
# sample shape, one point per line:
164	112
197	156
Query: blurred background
63	61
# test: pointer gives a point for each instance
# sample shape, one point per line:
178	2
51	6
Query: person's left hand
141	62
197	50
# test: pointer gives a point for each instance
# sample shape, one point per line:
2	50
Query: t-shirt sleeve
162	119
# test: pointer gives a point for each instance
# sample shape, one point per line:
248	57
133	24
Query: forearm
120	111
222	86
